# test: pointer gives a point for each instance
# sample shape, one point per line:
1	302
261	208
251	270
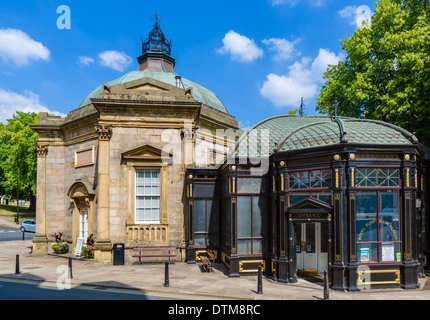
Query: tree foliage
386	74
18	159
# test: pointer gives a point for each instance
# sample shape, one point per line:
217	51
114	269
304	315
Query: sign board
387	252
364	253
79	244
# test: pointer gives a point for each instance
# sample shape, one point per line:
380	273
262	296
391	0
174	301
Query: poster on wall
364	254
387	252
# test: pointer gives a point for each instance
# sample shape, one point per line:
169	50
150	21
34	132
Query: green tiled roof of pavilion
290	132
200	93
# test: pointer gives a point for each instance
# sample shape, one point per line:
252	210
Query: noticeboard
79	244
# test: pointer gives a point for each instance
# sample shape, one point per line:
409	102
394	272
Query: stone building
153	159
115	166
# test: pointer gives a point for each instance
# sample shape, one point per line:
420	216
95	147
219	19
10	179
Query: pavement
185	280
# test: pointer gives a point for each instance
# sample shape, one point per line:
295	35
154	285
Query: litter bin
118	254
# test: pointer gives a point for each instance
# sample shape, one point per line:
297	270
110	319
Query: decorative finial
301	111
156	17
335	108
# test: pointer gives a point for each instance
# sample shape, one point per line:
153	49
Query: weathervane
156	17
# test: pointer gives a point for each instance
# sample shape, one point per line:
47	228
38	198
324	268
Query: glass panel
367	252
390	252
294	198
243	217
366	216
388	177
258	208
299	180
389	216
320	179
200	239
244	246
250	185
140	214
310	237
365	177
257	246
199	215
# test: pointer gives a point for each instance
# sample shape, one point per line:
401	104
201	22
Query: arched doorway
81	199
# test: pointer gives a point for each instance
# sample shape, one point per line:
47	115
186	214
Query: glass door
306	247
83	224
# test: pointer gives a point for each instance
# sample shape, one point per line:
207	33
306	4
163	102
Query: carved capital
41	150
105	133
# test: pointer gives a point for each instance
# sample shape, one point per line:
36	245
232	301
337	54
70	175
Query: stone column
103	244
40	240
188	135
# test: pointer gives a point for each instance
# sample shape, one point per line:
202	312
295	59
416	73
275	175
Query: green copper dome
289	132
200	93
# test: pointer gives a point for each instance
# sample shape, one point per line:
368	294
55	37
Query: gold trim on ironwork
407	178
352	176
337	177
396	281
241	263
223	255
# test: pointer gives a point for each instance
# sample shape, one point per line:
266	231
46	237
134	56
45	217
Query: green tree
386	74
18	159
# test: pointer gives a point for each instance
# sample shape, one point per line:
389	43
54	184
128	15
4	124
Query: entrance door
311	247
83	224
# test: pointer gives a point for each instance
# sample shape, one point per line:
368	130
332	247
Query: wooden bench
158	253
207	264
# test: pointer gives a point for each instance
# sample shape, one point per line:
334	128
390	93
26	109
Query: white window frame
140	221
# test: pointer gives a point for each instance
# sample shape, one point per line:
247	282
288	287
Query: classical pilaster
103	244
188	137
40	240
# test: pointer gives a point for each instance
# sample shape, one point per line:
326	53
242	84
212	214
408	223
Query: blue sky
258	57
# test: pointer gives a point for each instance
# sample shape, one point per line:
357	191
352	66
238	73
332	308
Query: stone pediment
147	152
310	204
309	210
146	89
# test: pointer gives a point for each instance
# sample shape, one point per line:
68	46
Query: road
11	234
15	289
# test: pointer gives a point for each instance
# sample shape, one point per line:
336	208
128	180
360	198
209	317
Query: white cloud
115	60
284	49
356	15
18	47
303	79
240	47
85	61
10	102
